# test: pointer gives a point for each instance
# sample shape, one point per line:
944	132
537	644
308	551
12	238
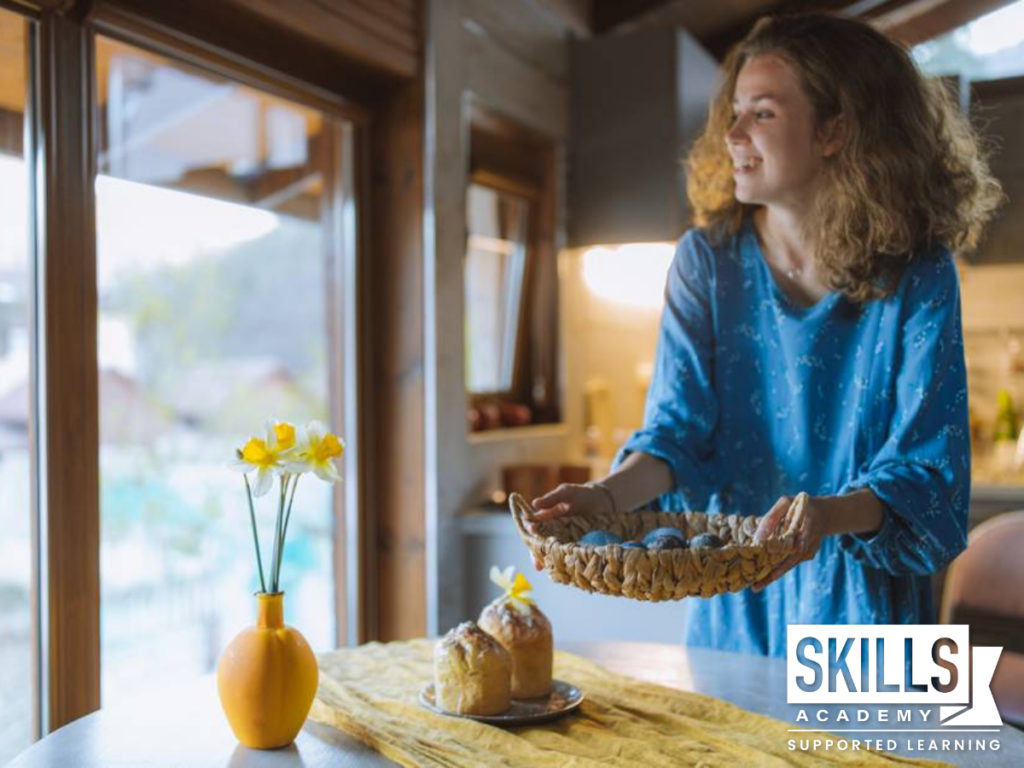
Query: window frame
508	156
518	391
64	430
31	18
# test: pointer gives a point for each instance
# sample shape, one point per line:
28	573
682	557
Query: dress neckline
801	311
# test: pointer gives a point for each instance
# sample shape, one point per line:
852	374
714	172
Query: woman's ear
833	135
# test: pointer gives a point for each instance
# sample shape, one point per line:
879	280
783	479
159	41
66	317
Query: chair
985	589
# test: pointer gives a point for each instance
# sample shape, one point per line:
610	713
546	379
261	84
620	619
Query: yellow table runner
370	692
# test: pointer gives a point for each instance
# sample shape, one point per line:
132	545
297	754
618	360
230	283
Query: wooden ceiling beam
609	14
719	42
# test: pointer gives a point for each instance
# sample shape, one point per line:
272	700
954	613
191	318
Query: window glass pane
986	48
495	261
213	289
16	632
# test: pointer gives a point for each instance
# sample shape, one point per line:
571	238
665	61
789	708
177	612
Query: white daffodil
516	590
316	452
267	455
283	434
281	455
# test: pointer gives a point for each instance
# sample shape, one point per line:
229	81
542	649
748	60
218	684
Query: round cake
525	632
472	672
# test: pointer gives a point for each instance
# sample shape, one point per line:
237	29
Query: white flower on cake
516	590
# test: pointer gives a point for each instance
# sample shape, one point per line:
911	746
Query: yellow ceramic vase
267	678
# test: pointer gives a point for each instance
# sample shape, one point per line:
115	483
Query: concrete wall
512	58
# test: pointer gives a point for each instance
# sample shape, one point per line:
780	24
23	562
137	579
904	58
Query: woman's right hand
567	499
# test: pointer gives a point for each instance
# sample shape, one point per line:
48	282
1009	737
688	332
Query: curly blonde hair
911	171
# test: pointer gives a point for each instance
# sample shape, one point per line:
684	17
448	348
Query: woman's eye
763	115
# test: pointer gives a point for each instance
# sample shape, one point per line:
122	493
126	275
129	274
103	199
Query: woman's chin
747	197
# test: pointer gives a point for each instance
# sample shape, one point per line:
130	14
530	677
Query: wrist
831	517
857	512
613	507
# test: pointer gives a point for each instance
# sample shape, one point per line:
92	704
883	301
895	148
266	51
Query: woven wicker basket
655	575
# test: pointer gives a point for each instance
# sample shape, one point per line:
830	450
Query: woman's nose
737	132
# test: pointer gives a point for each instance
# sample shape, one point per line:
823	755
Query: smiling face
772	140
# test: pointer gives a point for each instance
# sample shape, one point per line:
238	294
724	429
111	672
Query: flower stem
287	518
255	536
275	562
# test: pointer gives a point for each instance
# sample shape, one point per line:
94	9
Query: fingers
551	513
788	516
770	522
794	519
553	497
552	505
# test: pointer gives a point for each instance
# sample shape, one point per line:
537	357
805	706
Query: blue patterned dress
754	397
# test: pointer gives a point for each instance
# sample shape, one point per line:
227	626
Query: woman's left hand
801	516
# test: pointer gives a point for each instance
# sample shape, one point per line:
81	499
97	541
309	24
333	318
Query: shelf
529	432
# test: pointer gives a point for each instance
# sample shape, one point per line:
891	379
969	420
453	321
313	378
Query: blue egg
633	545
599	538
664	531
706	540
666	542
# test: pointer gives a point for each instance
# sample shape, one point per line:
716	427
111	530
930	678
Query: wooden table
185	726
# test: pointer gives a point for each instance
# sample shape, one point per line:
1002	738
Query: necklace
794	273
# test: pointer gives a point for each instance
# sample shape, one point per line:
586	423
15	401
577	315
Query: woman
811	338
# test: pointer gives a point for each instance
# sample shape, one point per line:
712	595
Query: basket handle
519	508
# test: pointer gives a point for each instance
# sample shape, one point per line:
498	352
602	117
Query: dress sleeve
681	409
922	472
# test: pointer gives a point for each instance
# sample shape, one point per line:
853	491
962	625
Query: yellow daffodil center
285	435
516	590
327	448
519	589
256	453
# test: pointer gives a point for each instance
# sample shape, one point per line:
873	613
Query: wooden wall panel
396	379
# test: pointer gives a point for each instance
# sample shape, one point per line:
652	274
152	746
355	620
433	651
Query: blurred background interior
443	226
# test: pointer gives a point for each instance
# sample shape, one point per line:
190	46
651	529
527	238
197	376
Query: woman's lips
746	167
